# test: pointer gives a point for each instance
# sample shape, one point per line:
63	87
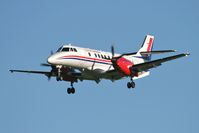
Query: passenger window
98	56
95	55
105	57
74	49
89	53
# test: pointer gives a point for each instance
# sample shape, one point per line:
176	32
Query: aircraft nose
51	60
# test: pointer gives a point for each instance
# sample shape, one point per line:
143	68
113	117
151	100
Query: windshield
65	49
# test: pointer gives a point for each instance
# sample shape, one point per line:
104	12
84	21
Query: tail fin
147	46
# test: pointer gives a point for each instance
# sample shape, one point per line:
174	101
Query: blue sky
166	101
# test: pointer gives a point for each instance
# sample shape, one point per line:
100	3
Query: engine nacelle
124	66
65	74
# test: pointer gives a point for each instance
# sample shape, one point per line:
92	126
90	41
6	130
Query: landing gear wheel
68	90
131	84
72	90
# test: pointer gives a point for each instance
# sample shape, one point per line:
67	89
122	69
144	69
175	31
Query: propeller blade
114	59
51	52
112	51
126	54
44	64
49	78
49	75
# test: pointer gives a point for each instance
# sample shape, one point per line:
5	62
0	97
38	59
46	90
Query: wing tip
187	54
11	71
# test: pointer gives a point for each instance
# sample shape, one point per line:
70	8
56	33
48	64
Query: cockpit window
65	50
74	49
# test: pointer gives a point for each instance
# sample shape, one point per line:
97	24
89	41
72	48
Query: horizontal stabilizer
156	52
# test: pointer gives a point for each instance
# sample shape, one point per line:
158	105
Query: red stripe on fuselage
76	56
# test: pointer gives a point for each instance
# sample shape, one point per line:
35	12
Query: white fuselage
86	59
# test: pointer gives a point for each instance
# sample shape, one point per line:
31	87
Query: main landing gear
71	90
131	84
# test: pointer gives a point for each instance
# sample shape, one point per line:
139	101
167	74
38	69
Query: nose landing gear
59	77
71	90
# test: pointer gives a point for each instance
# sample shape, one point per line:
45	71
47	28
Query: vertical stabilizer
147	46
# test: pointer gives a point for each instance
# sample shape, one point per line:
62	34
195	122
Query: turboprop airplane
71	63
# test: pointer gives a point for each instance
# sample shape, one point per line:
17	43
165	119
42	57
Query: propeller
112	51
51	52
49	76
53	70
46	65
115	58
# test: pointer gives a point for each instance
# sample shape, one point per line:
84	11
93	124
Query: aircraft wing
27	71
34	72
73	74
151	64
113	74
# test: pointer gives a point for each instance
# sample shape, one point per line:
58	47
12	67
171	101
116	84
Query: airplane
71	63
